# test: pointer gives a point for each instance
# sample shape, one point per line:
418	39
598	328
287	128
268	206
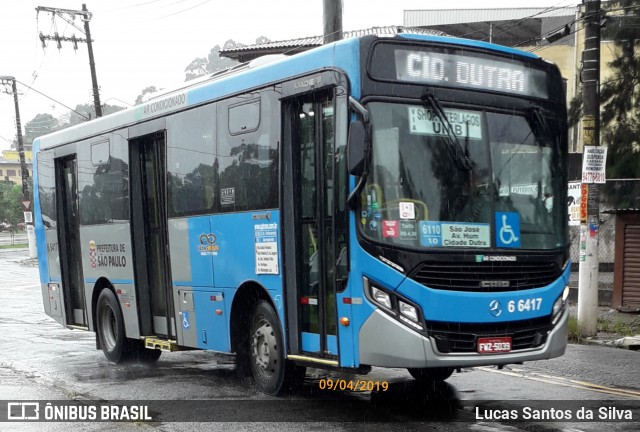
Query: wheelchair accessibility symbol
185	320
507	230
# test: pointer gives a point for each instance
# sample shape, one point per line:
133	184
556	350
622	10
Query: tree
147	93
201	66
88	111
10	204
620	106
41	124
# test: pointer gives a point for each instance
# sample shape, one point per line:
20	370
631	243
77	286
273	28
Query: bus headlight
559	305
409	315
381	297
408	311
393	304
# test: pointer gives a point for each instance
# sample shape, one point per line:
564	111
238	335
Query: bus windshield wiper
541	126
459	155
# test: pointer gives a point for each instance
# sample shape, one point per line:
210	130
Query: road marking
565	382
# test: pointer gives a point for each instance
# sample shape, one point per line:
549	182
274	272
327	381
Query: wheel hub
264	348
108	321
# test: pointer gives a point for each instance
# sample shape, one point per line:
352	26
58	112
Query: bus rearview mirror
357	149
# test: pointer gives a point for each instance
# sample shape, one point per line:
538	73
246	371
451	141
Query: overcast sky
139	43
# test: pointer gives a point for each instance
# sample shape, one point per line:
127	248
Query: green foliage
43	124
574	332
620	105
88	110
10	204
620	108
201	66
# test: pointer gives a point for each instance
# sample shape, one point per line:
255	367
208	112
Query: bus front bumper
386	342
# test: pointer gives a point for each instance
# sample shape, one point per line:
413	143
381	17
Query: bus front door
149	235
69	242
310	229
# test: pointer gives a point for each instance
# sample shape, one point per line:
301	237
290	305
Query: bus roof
343	55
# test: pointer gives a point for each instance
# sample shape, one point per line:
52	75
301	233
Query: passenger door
314	224
69	242
149	235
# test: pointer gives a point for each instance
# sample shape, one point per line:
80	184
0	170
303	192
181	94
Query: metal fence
615	194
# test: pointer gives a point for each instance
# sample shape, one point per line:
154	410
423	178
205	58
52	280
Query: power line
185	10
49	97
519	21
86	17
10	142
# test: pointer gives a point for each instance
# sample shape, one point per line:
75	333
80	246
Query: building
554	33
247	53
10	170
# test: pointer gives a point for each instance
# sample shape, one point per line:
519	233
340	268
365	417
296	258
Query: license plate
494	345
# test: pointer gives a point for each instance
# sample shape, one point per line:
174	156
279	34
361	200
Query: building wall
10	170
565	53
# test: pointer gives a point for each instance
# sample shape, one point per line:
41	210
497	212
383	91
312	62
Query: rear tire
110	328
423	375
273	374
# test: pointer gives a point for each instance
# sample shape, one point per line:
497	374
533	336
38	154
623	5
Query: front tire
110	328
423	375
272	373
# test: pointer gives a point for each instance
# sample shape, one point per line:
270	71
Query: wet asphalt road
40	360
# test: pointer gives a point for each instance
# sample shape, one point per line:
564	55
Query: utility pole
590	217
23	163
26	197
332	20
86	17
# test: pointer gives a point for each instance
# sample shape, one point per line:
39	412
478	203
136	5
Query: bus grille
462	337
487	276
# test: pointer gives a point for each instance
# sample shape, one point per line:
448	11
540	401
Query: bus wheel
110	327
430	374
272	373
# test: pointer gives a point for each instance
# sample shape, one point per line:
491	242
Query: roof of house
622	211
293	46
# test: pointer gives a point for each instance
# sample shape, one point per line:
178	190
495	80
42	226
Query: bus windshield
419	195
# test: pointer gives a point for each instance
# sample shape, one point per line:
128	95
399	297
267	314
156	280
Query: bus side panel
191	248
107	253
363	265
249	250
52	296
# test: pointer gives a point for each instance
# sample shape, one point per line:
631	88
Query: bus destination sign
469	71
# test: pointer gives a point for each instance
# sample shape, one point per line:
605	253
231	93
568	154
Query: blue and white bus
378	201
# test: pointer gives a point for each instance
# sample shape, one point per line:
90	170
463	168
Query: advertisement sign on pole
593	164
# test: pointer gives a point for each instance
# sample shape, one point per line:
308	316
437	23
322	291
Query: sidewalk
615	329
